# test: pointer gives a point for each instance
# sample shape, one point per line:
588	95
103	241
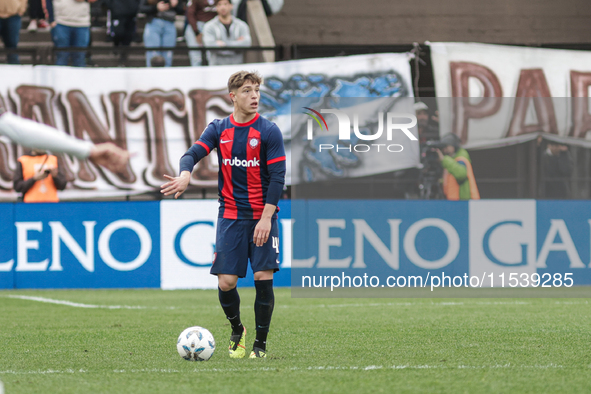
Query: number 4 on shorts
276	243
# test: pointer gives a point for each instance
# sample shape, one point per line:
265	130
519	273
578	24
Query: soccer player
251	159
31	134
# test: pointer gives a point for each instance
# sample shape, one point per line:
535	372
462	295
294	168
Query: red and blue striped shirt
251	159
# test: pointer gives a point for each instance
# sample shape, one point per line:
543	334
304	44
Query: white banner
187	244
158	113
510	92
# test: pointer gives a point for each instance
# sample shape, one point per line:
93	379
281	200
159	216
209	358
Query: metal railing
104	56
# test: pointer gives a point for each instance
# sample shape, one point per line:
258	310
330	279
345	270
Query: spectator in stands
97	12
11	12
198	12
37	15
123	23
70	22
225	30
271	7
557	168
160	31
38	177
458	178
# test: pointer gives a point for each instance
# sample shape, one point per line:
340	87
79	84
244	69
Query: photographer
38	177
458	178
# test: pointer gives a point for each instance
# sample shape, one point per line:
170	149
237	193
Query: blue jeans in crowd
10	31
75	37
159	33
191	40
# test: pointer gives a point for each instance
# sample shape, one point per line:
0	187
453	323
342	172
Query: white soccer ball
196	344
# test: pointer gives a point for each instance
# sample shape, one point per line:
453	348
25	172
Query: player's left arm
276	167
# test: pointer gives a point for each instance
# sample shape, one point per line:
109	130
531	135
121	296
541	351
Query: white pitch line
73	304
311	368
345	305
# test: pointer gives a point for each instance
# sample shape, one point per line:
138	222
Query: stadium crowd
153	23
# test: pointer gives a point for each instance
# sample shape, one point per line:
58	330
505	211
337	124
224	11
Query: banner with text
158	113
425	248
166	244
502	95
324	246
80	245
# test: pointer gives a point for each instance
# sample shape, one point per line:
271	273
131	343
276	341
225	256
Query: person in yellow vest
38	177
458	178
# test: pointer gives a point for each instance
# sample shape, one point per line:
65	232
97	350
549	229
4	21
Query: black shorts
234	246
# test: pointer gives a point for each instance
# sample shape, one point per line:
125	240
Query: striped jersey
251	159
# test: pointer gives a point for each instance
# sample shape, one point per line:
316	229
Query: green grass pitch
315	345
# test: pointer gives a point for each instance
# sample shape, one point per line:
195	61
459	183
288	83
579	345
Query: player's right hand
177	185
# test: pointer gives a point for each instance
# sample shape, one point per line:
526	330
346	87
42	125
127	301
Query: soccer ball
195	344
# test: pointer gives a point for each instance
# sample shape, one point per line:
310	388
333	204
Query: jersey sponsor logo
236	162
225	142
253	143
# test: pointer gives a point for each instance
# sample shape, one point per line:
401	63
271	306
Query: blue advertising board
563	239
379	238
7	247
150	245
486	242
86	245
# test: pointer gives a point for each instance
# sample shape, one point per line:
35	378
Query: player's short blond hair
239	78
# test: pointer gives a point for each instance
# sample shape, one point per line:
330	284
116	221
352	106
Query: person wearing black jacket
160	31
123	20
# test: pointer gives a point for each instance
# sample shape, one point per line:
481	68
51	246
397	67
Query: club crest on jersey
254	142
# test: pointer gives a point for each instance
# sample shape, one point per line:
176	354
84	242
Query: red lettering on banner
533	87
157	150
199	105
120	126
579	90
34	96
75	115
85	120
463	108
